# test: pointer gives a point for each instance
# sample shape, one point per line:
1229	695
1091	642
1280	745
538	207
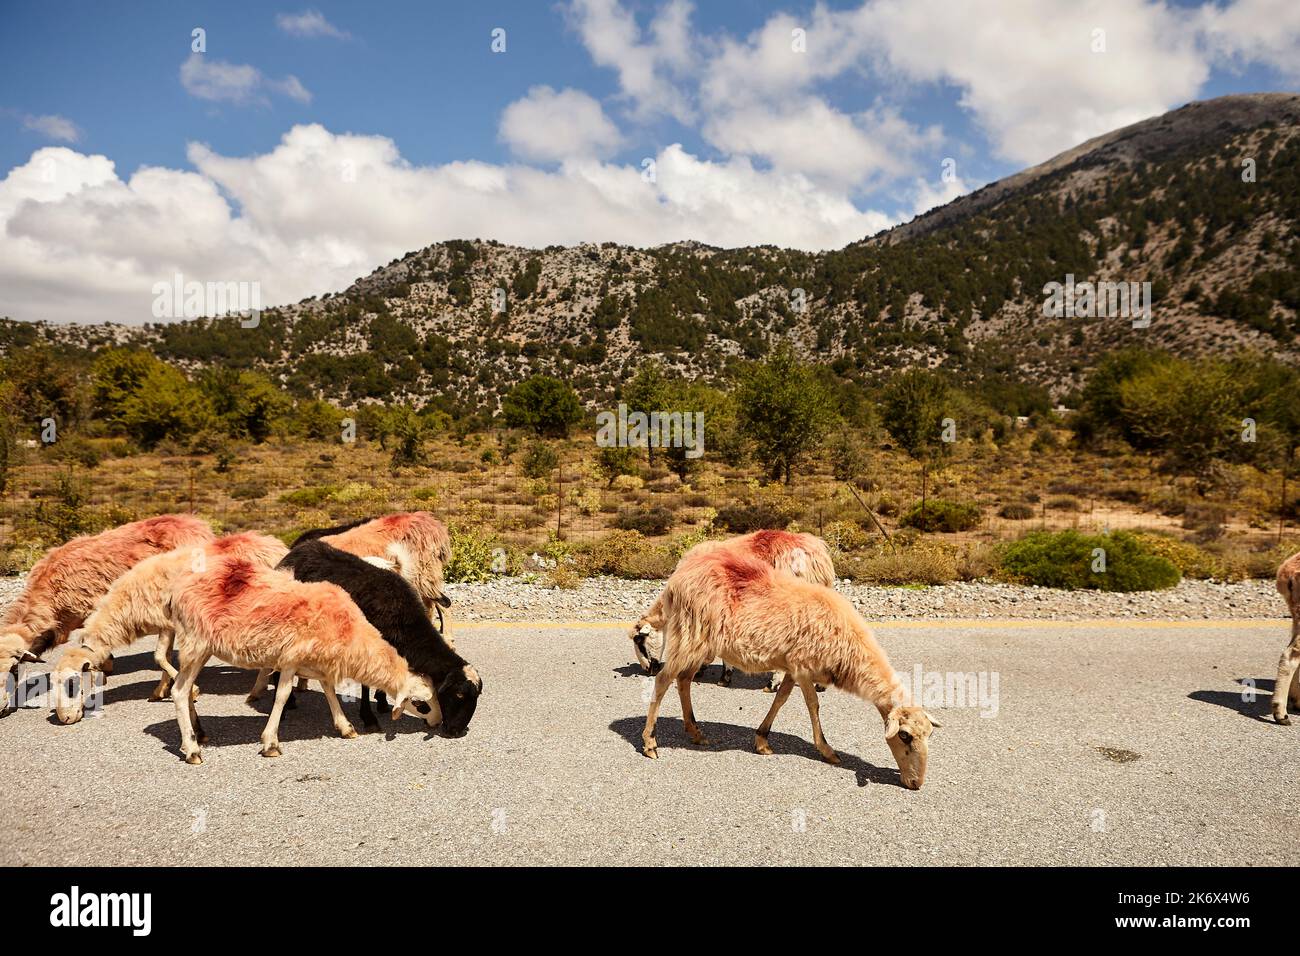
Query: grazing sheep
803	555
136	605
392	605
415	541
1288	668
722	604
256	618
63	586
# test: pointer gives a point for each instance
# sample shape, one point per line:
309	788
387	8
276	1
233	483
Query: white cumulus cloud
547	125
80	243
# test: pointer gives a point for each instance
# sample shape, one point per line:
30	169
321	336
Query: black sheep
394	607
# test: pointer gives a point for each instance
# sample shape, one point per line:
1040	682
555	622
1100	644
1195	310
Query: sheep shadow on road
708	674
1261	690
670	733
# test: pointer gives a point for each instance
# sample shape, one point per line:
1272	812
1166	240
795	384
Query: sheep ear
85	666
30	658
933	722
891	726
399	706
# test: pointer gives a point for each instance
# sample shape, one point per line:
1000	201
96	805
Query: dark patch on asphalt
1116	755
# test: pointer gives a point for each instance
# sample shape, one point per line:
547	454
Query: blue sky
127	157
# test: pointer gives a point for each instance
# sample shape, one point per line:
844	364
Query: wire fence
284	489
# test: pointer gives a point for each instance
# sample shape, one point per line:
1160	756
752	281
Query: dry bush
1063	503
920	564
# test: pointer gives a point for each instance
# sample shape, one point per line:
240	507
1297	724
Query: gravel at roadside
606	599
616	599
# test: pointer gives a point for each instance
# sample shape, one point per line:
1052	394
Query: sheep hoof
194	759
270	751
821	688
194	692
831	757
348	733
724	680
760	746
156	696
651	751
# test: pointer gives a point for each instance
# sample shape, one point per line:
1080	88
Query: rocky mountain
1202	204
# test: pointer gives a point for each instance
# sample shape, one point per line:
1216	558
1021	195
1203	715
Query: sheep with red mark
722	604
136	605
803	555
62	588
415	541
415	544
1288	668
255	617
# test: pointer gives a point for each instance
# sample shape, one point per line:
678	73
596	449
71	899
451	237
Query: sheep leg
1286	672
688	713
271	733
727	673
368	719
810	698
161	656
259	685
782	694
341	723
186	716
648	745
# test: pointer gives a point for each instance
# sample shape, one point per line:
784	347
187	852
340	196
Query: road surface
1115	742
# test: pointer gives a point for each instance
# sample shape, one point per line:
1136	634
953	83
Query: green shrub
1016	511
627	554
942	515
540	460
1191	561
1066	560
474	556
308	497
427	493
614	461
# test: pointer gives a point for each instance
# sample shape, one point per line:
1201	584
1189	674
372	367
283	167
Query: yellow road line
912	622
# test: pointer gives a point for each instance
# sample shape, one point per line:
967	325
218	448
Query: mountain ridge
1160	201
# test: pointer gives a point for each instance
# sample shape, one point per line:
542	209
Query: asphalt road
1113	743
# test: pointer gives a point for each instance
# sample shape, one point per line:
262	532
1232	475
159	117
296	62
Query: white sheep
256	618
136	605
719	603
803	555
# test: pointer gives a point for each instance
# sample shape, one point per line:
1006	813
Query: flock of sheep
356	603
350	603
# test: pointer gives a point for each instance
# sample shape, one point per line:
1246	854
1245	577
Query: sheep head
68	685
907	731
415	690
457	698
648	645
14	652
